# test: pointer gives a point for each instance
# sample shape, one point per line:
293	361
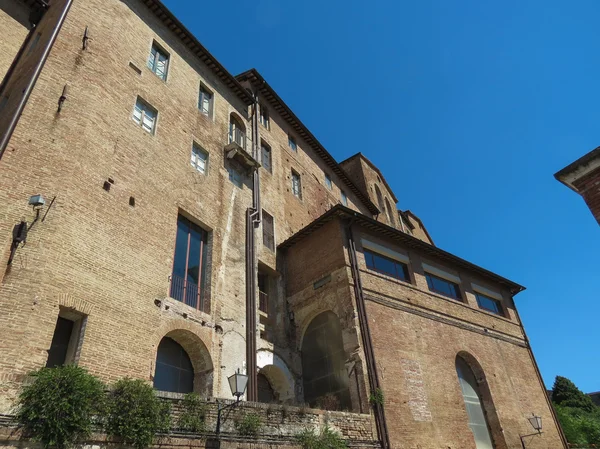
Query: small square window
264	117
235	176
266	157
199	158
292	143
296	185
158	61
344	198
328	181
489	304
145	115
205	101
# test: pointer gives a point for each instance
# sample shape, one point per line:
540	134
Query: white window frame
328	182
144	111
201	94
153	60
297	186
292	139
344	198
264	117
197	150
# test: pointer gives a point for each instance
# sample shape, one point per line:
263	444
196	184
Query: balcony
240	148
188	293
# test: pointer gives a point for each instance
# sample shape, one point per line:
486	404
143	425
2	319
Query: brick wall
14	26
589	188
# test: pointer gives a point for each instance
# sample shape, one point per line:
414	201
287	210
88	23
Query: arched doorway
266	394
325	379
174	371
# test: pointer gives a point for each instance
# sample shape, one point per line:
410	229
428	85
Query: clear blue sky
469	107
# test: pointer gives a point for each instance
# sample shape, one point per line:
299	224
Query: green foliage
135	413
193	415
376	397
325	439
580	427
249	425
565	393
59	406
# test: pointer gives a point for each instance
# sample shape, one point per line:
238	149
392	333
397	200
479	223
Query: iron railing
188	293
263	302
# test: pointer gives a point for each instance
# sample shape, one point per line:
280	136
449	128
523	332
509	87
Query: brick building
583	176
191	226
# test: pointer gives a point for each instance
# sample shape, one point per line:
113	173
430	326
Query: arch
480	409
278	374
192	347
174	371
388	211
379	199
325	378
266	393
237	130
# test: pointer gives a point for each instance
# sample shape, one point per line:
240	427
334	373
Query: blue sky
469	108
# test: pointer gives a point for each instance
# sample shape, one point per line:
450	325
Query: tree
566	394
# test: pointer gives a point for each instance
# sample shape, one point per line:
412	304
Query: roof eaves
374	167
286	113
382	229
188	39
574	166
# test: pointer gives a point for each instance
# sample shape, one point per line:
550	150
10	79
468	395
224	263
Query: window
379	199
235	176
174	371
344	198
328	181
296	185
188	280
199	159
158	61
237	132
264	117
489	304
442	286
386	265
268	231
389	212
145	115
266	157
67	338
263	292
292	143
205	101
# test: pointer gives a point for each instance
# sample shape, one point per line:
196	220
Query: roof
579	168
188	39
417	219
383	230
374	167
269	94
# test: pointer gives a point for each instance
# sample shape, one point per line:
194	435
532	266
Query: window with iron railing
237	132
268	231
188	280
263	293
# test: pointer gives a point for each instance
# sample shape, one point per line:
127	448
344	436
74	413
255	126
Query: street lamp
536	423
237	384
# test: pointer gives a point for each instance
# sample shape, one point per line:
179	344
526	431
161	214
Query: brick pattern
14	26
589	188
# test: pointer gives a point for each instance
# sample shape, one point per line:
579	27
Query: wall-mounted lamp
21	229
536	423
63	97
237	384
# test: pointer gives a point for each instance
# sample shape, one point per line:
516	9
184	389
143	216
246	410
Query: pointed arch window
174	371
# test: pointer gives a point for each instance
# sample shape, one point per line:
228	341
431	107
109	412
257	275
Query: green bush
135	413
325	439
580	427
249	425
376	397
193	415
60	405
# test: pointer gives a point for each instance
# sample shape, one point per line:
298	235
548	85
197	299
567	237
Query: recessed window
344	198
292	143
442	286
385	265
489	304
237	131
66	340
158	61
264	117
265	151
145	115
205	101
296	185
268	231
199	158
235	176
328	181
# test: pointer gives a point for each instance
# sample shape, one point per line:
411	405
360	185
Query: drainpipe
378	410
12	124
253	217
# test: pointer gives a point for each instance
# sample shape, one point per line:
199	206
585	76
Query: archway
390	215
325	379
277	373
266	394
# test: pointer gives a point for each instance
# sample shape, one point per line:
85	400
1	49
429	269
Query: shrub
565	393
325	439
193	415
249	425
376	397
60	405
135	413
580	427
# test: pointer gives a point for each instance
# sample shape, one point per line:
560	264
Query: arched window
476	412
237	131
266	394
325	378
379	199
174	371
388	211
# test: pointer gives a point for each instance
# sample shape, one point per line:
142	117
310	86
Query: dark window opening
174	370
263	292
266	394
489	304
188	282
443	287
266	157
385	265
66	340
268	231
